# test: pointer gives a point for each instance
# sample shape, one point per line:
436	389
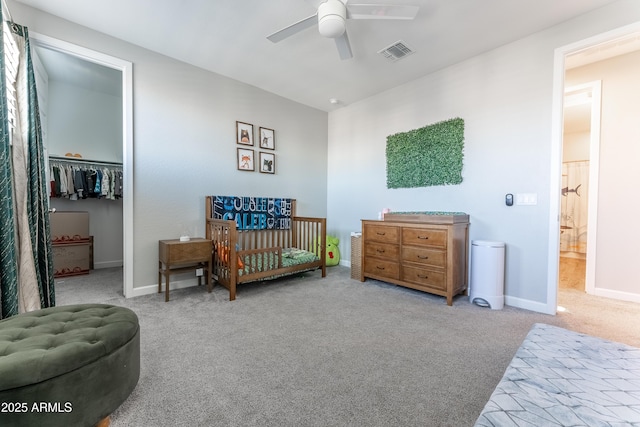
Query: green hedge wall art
428	156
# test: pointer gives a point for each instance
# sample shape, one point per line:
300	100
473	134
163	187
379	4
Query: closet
75	179
81	105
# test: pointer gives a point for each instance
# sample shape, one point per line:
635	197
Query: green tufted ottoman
67	366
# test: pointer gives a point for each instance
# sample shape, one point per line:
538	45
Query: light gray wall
84	121
184	140
505	98
617	239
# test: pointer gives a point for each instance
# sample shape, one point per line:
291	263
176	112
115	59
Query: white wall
184	141
618	233
505	98
84	121
575	146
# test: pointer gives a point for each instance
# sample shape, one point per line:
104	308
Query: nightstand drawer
424	277
424	237
424	256
175	252
382	250
378	267
381	233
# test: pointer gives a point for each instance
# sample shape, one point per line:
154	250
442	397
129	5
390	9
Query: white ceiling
75	71
229	37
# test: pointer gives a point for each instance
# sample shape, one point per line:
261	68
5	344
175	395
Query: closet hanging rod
85	161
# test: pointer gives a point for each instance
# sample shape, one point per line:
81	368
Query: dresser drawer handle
423	238
379	268
380	234
380	251
423	277
423	257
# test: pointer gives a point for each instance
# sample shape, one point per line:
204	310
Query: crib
251	247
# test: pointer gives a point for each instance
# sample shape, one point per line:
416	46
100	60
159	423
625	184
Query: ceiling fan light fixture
332	19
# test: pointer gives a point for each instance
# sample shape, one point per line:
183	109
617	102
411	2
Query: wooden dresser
423	251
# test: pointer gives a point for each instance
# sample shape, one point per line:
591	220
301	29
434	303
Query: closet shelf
80	160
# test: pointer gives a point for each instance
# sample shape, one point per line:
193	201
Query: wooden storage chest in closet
423	251
71	243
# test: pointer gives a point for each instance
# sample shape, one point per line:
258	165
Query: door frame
126	68
594	91
553	254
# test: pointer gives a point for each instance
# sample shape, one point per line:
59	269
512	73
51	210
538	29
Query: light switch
527	199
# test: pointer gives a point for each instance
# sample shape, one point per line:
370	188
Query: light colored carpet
307	351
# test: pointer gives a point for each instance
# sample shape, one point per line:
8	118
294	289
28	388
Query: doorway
579	186
616	45
125	69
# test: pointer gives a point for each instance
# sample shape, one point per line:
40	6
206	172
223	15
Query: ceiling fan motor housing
332	16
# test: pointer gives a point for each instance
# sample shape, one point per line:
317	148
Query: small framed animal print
267	162
267	138
245	160
244	133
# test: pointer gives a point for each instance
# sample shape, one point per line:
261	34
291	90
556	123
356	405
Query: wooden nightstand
179	257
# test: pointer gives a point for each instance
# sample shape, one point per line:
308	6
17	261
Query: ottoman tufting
67	366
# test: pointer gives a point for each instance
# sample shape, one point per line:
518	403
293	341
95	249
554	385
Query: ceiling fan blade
294	28
381	11
344	47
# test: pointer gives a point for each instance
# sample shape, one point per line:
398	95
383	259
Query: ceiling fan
331	18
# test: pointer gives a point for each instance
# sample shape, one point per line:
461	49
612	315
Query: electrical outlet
199	272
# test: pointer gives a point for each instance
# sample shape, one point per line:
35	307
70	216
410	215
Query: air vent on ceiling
396	51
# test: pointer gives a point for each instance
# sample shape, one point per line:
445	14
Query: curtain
27	281
574	207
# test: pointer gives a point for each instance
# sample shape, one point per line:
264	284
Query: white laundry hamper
486	288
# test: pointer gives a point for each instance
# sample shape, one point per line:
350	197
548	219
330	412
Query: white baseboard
107	264
618	295
345	263
174	284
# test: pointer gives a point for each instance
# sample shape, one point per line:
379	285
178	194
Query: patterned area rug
563	378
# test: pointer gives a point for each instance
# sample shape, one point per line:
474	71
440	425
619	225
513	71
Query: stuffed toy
223	254
333	252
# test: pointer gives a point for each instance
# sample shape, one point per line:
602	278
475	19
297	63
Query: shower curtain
26	266
574	207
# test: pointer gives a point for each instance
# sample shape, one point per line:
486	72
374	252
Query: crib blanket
290	257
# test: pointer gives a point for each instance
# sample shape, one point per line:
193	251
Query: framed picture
244	133
267	138
267	162
245	159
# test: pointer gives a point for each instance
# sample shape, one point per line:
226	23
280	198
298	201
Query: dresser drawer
381	233
424	237
382	250
424	256
382	268
424	277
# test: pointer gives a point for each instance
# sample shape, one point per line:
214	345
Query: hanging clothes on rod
77	179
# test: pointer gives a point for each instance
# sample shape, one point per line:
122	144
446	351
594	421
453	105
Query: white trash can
487	274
